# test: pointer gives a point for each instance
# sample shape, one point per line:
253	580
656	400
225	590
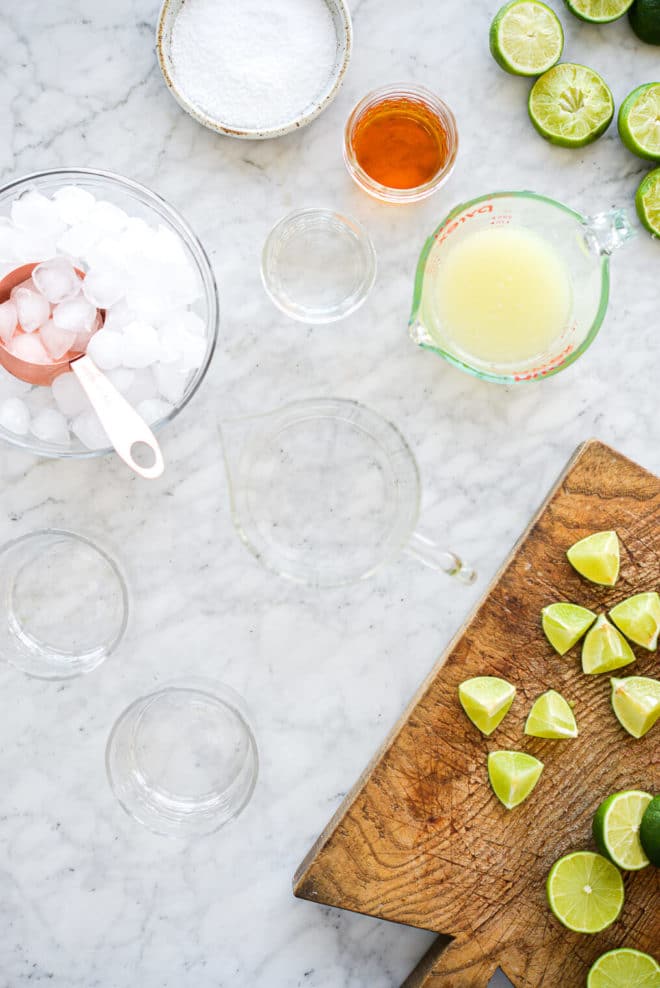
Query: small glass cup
183	761
413	94
65	604
318	265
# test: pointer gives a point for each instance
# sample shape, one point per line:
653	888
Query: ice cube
35	212
122	378
104	287
32	309
56	341
56	279
8	320
153	409
107	217
171	380
76	315
73	204
14	416
118	316
148	301
142	387
12	387
106	349
140	345
87	427
78	240
7	240
69	395
27	347
51	427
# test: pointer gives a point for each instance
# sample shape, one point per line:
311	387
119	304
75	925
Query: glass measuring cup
582	244
324	491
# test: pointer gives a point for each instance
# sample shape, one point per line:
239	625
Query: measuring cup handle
125	428
431	555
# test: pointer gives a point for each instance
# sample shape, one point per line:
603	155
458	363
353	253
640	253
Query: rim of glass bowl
479	372
384	192
195	250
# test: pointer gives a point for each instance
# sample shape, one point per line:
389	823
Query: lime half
564	624
597	558
649	831
639	619
645	20
570	105
486	700
639	121
526	37
605	649
599	11
624	968
647	202
551	717
616	828
513	775
585	891
636	703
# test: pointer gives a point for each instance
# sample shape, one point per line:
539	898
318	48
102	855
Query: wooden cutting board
422	840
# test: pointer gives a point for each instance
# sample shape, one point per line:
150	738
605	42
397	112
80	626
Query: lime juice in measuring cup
513	286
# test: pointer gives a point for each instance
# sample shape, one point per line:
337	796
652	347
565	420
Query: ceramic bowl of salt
253	69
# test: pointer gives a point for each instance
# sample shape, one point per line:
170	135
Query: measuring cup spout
606	232
426	551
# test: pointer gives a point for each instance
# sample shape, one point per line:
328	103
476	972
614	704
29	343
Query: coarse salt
253	65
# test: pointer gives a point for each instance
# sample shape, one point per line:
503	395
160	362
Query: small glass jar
431	103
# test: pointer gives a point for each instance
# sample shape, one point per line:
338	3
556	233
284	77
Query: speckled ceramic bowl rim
341	19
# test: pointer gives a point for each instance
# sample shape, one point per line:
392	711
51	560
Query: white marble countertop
88	897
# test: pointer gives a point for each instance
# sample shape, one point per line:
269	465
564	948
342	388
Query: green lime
564	624
649	831
636	703
624	968
570	105
645	20
486	700
513	775
551	717
599	11
639	619
639	121
526	37
605	649
647	202
585	891
616	828
596	558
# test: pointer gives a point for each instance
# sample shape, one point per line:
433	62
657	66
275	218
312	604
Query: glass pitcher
581	244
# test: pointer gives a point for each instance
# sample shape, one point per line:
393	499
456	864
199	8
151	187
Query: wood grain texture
422	840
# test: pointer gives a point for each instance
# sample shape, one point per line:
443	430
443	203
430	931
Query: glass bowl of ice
121	276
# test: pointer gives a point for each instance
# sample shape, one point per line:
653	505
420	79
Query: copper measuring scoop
125	428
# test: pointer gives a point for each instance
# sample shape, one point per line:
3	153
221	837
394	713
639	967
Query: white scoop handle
122	423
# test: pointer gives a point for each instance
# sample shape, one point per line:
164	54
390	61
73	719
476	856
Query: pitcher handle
428	552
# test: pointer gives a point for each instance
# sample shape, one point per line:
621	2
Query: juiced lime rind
551	717
649	831
644	16
647	202
599	11
638	617
624	968
573	906
639	121
486	700
615	828
564	624
526	37
604	649
513	775
570	105
597	558
636	703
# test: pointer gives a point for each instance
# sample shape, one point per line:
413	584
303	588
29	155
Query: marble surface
88	897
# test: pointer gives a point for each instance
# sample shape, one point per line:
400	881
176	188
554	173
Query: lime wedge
570	105
597	558
647	202
526	37
551	717
639	619
616	828
599	11
624	968
649	831
513	775
585	892
486	700
636	703
639	121
564	624
605	649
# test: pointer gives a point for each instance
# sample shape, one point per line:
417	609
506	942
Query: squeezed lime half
639	121
647	202
570	105
599	11
526	37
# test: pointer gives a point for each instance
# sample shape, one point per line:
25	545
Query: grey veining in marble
88	898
